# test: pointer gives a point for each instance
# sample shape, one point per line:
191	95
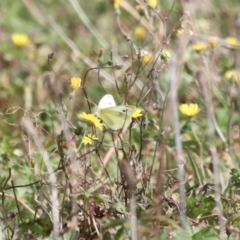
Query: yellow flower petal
183	31
152	3
234	75
189	109
140	32
233	41
89	139
75	83
20	40
198	47
90	118
147	58
137	113
116	3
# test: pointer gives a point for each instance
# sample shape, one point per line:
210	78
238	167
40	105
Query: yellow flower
166	54
152	3
75	83
232	41
137	113
140	32
234	75
20	40
147	58
190	110
89	139
212	42
182	31
140	9
116	3
198	47
90	118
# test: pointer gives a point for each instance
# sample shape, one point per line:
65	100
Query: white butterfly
114	117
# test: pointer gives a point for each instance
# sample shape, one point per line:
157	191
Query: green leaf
206	234
119	233
114	223
41	226
200	206
197	172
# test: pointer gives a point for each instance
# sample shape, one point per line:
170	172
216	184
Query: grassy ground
173	172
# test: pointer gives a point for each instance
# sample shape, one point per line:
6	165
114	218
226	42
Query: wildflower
116	3
166	54
212	42
89	139
147	58
182	31
140	32
137	113
90	118
75	83
152	3
198	47
232	41
190	110
226	156
233	74
140	9
20	40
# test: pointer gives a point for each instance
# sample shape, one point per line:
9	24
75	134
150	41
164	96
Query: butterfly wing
116	117
106	101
